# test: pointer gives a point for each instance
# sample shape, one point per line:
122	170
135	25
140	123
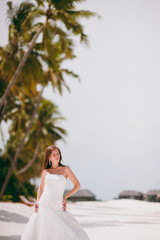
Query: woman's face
55	156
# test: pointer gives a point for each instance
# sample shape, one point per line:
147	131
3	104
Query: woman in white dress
50	220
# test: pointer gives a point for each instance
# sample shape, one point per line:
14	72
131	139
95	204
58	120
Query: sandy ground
111	220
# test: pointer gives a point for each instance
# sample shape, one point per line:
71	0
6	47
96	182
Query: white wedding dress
51	222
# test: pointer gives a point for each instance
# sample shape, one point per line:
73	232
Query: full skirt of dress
52	225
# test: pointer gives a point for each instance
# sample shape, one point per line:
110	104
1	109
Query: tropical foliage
40	41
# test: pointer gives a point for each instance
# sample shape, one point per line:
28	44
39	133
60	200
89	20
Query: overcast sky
113	114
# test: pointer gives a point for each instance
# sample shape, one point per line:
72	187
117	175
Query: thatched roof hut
129	194
81	195
152	195
158	196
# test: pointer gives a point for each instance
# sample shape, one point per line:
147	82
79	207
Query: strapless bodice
52	196
54	182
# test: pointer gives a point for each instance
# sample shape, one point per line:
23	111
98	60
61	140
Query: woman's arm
76	187
40	190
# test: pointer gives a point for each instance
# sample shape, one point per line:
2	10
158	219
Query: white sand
111	220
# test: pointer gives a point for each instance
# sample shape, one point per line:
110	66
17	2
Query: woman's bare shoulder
67	169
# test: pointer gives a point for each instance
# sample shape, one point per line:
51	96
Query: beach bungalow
128	194
81	195
152	196
158	197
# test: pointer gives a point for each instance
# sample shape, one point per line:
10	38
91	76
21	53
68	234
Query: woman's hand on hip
64	204
36	206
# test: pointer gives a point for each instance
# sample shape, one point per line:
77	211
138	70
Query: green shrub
7	198
14	187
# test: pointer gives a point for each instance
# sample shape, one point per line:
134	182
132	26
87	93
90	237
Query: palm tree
58	12
11	55
48	131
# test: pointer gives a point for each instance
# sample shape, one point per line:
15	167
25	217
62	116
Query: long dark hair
48	152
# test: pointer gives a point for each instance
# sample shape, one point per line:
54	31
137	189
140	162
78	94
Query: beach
120	219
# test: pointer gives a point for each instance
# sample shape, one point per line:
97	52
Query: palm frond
64	4
71	73
81	13
18	15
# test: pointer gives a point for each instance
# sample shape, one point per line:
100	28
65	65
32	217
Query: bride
50	220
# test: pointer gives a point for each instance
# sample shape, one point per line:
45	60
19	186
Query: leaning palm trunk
20	66
3	110
22	170
20	146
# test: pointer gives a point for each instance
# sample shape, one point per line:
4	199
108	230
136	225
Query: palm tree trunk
3	110
22	170
20	146
20	66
